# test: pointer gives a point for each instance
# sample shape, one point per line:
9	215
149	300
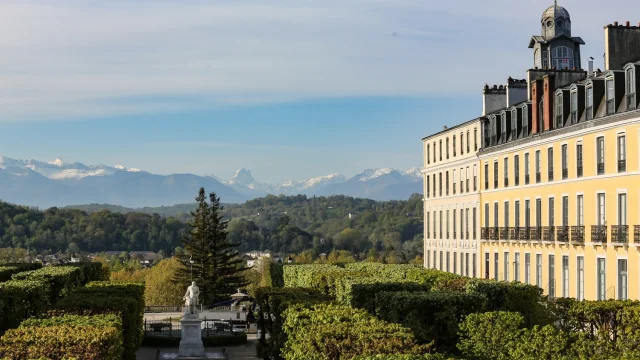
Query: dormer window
611	97
525	121
631	89
559	114
503	134
514	124
574	107
589	108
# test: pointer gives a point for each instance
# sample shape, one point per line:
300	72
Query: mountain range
57	183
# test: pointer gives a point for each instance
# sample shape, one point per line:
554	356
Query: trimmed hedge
124	299
92	271
20	300
403	357
207	341
62	342
103	320
317	276
272	302
7	270
60	280
341	332
433	316
361	293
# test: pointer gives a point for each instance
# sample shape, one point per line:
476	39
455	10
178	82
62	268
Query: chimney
590	73
493	99
516	91
621	45
536	96
549	89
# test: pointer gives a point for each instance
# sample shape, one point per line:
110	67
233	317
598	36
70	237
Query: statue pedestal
191	342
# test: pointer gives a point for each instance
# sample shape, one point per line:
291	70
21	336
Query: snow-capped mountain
58	183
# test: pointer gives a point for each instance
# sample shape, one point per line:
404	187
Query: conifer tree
210	257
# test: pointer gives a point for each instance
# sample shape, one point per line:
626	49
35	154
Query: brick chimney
549	88
536	96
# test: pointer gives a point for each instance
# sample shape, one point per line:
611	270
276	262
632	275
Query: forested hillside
287	224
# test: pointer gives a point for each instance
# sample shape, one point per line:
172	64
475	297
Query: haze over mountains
57	183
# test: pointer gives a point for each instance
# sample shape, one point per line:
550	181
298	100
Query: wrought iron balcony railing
563	233
636	234
577	234
493	233
524	233
620	234
565	173
611	107
514	233
504	233
535	233
549	233
484	233
622	165
600	168
631	102
599	233
579	171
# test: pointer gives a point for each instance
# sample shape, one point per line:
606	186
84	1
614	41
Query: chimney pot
615	23
628	24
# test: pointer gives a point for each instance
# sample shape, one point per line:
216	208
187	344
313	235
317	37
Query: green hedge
361	293
103	320
60	280
272	302
20	299
317	276
7	270
92	271
403	357
433	316
273	275
340	332
207	341
62	342
124	299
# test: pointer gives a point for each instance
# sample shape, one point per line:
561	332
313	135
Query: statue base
191	342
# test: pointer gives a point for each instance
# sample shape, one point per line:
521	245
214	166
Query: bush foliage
7	270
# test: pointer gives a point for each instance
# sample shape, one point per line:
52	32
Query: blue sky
287	89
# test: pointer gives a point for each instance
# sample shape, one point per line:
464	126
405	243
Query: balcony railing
550	175
514	233
549	233
538	177
524	233
577	234
504	233
579	171
535	233
506	182
574	117
563	233
559	121
565	173
611	107
622	165
493	233
600	168
526	179
631	102
636	234
599	233
620	233
484	233
589	111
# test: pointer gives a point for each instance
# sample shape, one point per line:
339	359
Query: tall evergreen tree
210	255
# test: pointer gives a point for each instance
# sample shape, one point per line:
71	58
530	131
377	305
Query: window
454	145
461	143
601	209
538	212
514	124
565	276
428	186
622	209
516	169
589	108
434	259
428	225
474	223
428	259
447	223
525	121
441	260
602	279
580	210
447	261
504	127
526	169
539	270
611	95
631	89
540	115
486	265
434	185
574	107
565	170
440	183
550	164
552	216
462	224
466	264
495	266
552	276
559	114
517	214
622	153
486	215
428	157
600	152
475	139
495	174
455	263
506	214
506	172
516	267
580	294
579	160
565	211
486	176
467	179
537	166
440	227
461	180
475	177
447	146
434	151
474	265
454	182
466	219
454	225
622	279
527	268
440	150
495	215
506	266
447	182
527	214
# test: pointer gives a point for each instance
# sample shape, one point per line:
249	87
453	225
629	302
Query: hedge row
124	299
340	332
7	270
59	280
20	300
272	302
403	357
361	293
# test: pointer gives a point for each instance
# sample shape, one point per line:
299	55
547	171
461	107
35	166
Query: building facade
559	177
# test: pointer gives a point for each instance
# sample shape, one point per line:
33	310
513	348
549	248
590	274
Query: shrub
545	342
341	332
20	299
7	270
316	276
272	302
272	274
402	357
489	336
361	292
104	320
433	316
60	280
389	272
92	271
62	342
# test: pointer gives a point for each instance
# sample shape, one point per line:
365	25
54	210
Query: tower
555	48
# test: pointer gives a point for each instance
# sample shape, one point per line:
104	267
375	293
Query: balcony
589	111
493	233
549	233
526	179
563	233
611	106
622	165
550	175
636	234
599	233
524	233
559	121
579	171
620	234
574	117
514	233
600	168
565	173
504	233
577	234
484	233
538	177
506	182
631	102
535	233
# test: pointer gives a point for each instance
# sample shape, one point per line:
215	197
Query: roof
555	12
451	128
539	39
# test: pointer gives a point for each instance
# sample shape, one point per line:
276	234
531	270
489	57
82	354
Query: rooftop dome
555	12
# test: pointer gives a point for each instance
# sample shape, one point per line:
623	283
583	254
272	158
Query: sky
289	89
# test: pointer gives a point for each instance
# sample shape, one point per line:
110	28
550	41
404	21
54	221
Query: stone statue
191	299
